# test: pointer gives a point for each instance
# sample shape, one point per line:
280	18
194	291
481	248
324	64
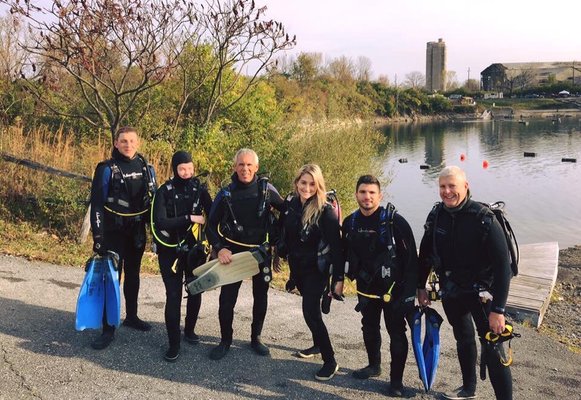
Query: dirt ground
43	357
563	320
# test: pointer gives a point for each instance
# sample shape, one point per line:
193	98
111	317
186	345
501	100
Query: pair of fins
99	293
426	349
213	274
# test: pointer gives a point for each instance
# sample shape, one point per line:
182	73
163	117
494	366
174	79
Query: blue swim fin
431	347
112	293
426	351
89	314
416	329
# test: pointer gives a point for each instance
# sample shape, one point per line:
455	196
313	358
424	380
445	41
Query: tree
363	69
112	50
306	67
451	80
283	65
12	61
517	79
383	79
194	69
415	80
472	85
240	40
342	69
12	57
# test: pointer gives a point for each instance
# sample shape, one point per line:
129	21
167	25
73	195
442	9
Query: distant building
512	76
436	66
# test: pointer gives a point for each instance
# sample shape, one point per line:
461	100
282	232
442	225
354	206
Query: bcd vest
382	265
247	215
179	202
118	200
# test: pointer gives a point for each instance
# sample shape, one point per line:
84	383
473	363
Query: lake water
542	193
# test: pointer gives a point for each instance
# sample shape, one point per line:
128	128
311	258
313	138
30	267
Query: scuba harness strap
263	208
486	213
385	264
185	246
117	179
263	213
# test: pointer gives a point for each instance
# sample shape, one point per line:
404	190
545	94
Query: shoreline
499	113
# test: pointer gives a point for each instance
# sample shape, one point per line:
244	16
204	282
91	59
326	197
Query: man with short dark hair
382	257
121	194
474	276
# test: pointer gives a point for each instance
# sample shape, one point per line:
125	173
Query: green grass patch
523	104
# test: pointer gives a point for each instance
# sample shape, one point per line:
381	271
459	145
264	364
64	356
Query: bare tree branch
113	50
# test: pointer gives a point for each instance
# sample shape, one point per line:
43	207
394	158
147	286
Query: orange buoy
462	157
484	164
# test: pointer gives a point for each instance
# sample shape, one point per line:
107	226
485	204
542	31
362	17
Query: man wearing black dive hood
177	221
121	194
240	220
474	276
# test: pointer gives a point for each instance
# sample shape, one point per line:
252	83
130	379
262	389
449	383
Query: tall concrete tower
436	78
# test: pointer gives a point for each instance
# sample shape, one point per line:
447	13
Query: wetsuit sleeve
276	200
407	255
153	176
160	217
497	248
99	191
331	231
205	200
282	240
345	240
215	217
424	259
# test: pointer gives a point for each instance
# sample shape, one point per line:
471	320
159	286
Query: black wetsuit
173	205
364	252
468	263
302	247
223	233
112	196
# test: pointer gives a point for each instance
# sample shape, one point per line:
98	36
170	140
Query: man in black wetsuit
472	268
382	257
121	194
240	220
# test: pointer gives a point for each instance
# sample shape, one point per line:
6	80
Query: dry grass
41	214
33	203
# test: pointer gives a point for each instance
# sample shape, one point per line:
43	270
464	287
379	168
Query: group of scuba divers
374	243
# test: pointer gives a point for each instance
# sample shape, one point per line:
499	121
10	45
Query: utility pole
468	75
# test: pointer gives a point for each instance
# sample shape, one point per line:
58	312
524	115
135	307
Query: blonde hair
315	207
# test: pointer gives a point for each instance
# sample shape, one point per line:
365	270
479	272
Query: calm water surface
542	193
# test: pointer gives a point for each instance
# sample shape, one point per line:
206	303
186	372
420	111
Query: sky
393	34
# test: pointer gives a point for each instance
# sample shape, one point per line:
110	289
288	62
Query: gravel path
43	357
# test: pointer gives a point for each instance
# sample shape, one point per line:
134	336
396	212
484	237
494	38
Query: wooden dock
530	291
